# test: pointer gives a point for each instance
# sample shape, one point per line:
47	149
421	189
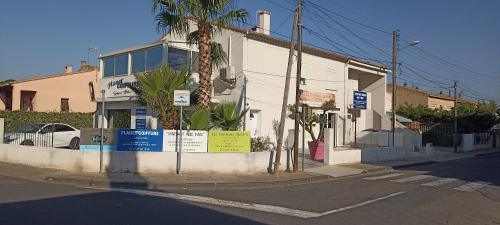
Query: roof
268	39
45	77
433	95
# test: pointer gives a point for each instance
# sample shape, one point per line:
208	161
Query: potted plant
316	145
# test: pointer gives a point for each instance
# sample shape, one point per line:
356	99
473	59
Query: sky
459	39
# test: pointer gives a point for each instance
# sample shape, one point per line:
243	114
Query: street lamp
395	52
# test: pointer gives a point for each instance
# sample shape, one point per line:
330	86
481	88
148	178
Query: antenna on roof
90	49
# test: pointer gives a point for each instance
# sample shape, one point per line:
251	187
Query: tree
210	16
225	116
155	90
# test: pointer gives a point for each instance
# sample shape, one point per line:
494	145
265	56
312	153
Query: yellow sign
228	141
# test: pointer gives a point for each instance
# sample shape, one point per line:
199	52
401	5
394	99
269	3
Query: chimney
264	22
68	69
83	63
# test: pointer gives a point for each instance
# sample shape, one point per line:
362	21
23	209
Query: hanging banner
229	141
139	140
192	140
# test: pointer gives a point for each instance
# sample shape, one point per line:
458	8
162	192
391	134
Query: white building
254	77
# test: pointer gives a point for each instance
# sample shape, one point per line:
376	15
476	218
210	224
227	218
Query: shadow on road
112	208
477	169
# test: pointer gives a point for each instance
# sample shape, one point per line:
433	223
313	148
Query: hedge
16	119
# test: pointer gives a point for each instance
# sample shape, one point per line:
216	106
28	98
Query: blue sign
359	100
140	118
139	140
140	124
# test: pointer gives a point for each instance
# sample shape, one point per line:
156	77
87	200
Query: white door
254	123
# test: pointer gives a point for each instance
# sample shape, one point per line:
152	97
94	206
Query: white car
45	135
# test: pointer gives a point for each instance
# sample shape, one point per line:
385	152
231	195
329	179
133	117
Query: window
177	58
63	128
147	59
121	64
109	67
116	65
64	104
154	57
49	128
138	61
195	62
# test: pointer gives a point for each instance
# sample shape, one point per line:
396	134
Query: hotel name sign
311	96
116	87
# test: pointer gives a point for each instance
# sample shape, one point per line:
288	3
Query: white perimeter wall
143	162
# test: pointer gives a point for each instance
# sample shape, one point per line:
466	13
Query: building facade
416	96
254	77
70	91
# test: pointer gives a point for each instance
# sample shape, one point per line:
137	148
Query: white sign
116	87
181	98
192	140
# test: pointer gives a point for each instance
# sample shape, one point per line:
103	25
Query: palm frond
219	56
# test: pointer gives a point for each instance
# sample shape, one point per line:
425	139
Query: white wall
143	162
468	143
266	69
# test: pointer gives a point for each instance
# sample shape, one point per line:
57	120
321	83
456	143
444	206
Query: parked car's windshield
30	128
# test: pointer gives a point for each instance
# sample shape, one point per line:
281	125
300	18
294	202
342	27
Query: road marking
439	182
250	206
411	179
391	175
362	203
472	186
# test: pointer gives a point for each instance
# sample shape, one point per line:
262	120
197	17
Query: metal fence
30	139
440	134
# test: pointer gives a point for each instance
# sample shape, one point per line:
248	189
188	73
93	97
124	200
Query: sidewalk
161	181
354	169
438	156
314	172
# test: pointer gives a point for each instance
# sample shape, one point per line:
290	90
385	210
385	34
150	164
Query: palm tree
225	116
155	90
210	17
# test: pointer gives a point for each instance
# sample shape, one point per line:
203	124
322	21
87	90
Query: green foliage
156	91
209	17
225	116
16	119
197	118
471	119
260	144
313	119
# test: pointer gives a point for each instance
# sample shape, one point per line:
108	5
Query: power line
457	65
349	19
349	31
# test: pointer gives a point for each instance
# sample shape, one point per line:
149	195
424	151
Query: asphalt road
465	191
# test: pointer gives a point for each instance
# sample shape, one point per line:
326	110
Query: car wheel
27	143
74	143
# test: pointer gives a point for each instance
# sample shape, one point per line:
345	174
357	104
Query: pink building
69	91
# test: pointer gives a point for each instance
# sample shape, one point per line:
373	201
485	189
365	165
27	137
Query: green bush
16	119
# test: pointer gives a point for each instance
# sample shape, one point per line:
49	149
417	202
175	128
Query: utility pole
297	87
284	106
394	85
455	125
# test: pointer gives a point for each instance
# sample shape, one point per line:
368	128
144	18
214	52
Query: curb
430	162
487	154
189	186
